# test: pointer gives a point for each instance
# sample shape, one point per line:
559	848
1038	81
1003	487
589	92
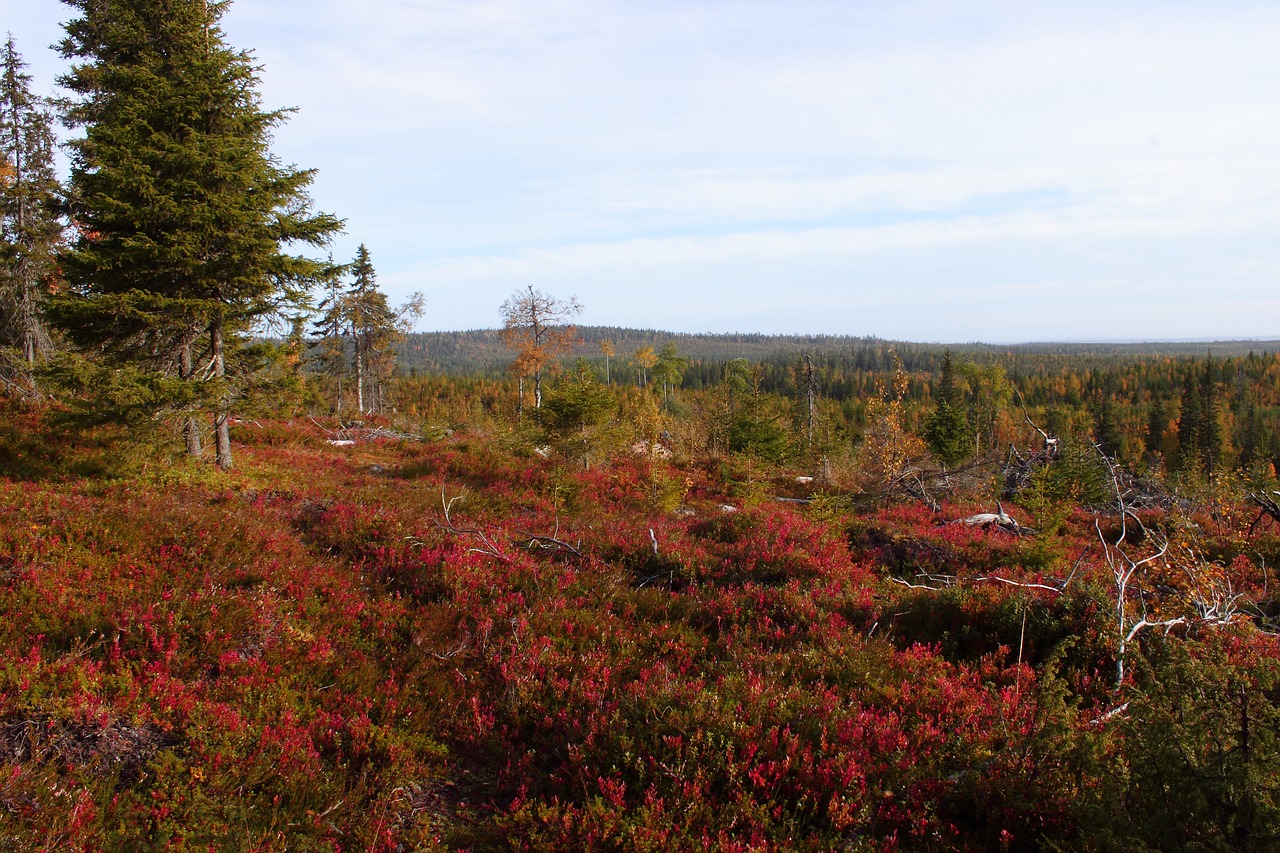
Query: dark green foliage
1202	438
355	332
669	371
1201	752
182	215
947	428
1157	423
1077	477
1107	428
29	227
575	411
762	439
375	327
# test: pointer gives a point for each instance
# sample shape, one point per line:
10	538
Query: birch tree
540	328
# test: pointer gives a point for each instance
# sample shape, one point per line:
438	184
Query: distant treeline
482	352
1199	404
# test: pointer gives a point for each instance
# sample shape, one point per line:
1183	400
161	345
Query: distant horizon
851	336
1082	171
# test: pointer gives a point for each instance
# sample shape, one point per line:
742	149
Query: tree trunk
28	321
359	377
222	417
191	428
537	389
810	390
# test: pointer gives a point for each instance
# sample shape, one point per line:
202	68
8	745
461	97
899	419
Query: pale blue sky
929	171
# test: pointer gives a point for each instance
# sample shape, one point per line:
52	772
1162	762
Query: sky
986	170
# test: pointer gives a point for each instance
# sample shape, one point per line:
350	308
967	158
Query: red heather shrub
772	544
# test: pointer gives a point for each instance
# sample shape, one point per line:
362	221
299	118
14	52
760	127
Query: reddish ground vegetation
443	645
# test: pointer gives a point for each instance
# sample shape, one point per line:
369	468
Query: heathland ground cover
452	642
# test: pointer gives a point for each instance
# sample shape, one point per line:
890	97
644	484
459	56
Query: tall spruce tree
1214	444
29	226
947	428
375	328
330	330
1190	424
361	321
1202	435
1157	423
184	220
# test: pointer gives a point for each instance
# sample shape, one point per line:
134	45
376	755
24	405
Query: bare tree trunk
28	321
221	418
537	389
359	377
35	337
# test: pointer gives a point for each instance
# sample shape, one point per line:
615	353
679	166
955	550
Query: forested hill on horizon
482	351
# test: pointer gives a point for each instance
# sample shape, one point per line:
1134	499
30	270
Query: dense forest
278	573
482	350
1170	406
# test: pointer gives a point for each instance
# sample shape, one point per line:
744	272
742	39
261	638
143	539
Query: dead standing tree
1206	597
538	326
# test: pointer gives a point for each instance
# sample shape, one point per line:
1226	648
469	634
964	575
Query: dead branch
1266	503
999	518
911	481
1050	442
934	583
533	540
487	546
1215	606
380	432
1110	714
1056	590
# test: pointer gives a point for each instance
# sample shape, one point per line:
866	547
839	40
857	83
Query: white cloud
720	152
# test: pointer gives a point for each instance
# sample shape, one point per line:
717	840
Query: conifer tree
1202	435
947	428
359	322
29	226
184	219
1214	445
331	330
1107	427
576	410
375	327
1157	423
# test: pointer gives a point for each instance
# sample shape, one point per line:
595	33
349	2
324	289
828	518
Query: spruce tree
1190	425
331	330
1157	422
1107	431
184	219
1214	446
29	226
947	428
363	314
1202	434
372	326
